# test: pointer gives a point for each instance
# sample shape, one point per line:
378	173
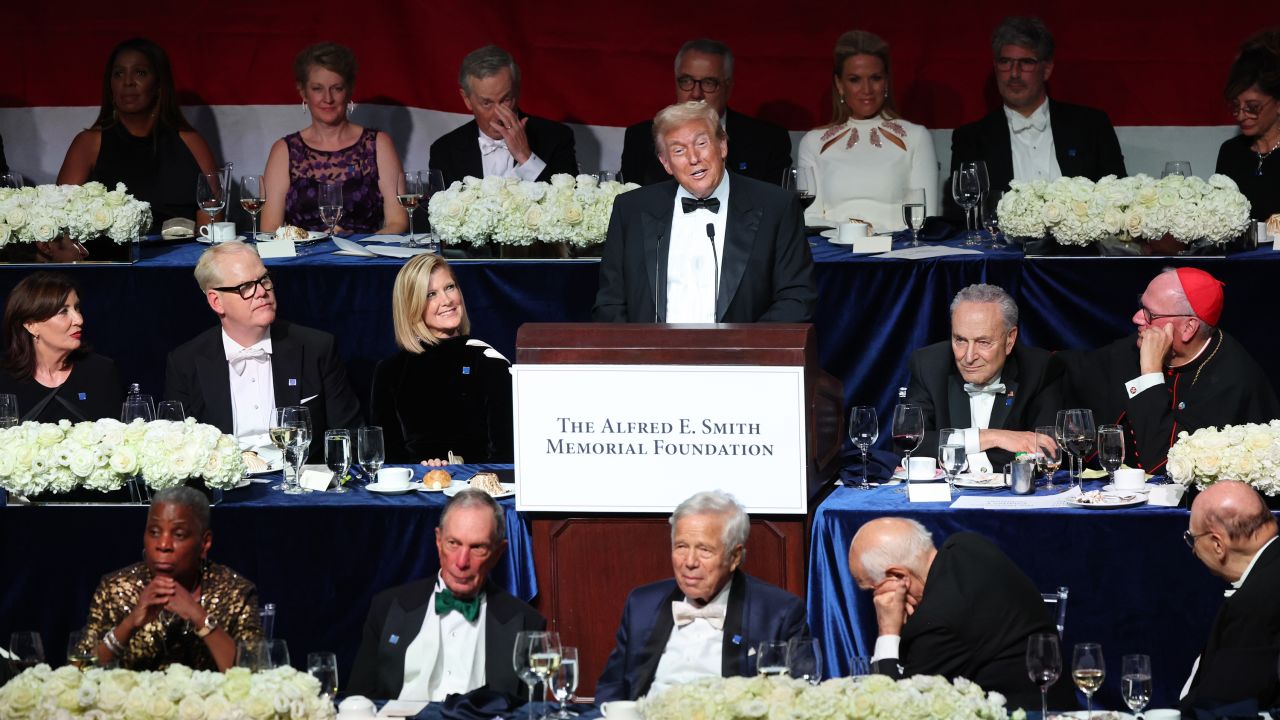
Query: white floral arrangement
1249	453
104	454
81	212
40	693
872	697
1078	211
573	210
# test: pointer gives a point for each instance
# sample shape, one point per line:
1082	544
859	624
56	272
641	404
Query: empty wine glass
804	660
337	456
1111	449
26	650
8	410
1177	167
966	190
410	196
331	204
951	452
565	682
371	451
864	430
1135	681
607	176
799	180
907	432
277	653
1048	453
530	644
1088	670
984	194
323	666
771	658
913	213
252	654
1044	665
170	410
1059	425
211	192
252	199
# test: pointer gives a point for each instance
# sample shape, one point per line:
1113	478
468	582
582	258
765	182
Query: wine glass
323	666
432	184
170	410
545	660
984	194
864	430
1088	671
1049	452
211	192
804	660
859	665
371	451
290	431
564	682
1111	449
1044	665
81	650
252	199
277	653
951	452
8	410
991	220
11	179
1079	434
26	650
913	212
907	432
331	204
337	456
252	654
800	181
771	658
966	190
1135	681
409	197
528	644
1177	167
607	176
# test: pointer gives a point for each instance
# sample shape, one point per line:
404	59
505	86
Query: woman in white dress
868	157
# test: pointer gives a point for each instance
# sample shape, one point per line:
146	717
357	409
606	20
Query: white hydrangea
80	212
1249	453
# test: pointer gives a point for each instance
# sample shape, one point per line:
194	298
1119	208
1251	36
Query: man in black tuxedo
707	246
704	71
1032	137
501	140
1233	533
708	620
453	633
961	610
984	382
234	375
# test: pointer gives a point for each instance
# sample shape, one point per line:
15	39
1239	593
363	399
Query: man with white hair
961	610
709	619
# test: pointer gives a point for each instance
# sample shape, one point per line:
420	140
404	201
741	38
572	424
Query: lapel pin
1071	152
1008	402
742	166
393	639
82	396
293	382
737	639
466	370
1182	406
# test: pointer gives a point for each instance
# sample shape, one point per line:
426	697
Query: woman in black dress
1253	96
444	391
46	364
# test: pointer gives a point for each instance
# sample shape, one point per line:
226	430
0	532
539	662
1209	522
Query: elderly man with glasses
1178	372
233	376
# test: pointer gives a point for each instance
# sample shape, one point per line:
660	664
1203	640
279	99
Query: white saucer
382	490
206	241
902	475
457	487
1146	488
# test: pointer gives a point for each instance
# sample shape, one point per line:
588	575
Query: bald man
1233	533
1179	371
961	610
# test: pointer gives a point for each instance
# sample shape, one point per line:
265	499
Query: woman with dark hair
332	149
46	364
1253	98
140	137
867	158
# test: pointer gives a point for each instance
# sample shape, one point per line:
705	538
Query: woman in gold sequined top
175	606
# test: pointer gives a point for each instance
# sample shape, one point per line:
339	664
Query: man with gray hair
704	72
961	610
984	382
501	141
709	619
1032	137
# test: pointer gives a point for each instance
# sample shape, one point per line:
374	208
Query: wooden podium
587	563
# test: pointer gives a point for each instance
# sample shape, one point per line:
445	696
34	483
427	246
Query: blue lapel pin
1008	402
737	639
742	166
466	370
293	382
82	396
393	639
1071	152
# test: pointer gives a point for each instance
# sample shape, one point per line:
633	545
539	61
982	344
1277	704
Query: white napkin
1166	495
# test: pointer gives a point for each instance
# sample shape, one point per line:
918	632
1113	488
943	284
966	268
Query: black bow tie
691	204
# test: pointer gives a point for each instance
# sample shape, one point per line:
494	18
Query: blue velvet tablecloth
1134	586
320	557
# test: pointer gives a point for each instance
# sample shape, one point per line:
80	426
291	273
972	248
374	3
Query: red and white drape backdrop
1156	67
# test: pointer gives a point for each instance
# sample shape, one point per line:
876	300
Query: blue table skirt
1135	587
320	557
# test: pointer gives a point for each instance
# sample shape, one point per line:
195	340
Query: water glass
432	183
864	430
26	650
323	666
1044	665
804	660
771	658
137	406
330	204
170	410
337	456
951	452
1177	167
1135	681
11	180
371	450
8	410
252	654
859	666
565	682
913	213
1111	449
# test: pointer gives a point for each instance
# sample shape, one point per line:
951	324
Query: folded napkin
936	229
1166	495
178	227
480	704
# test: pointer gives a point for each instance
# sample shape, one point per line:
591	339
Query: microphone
711	235
657	282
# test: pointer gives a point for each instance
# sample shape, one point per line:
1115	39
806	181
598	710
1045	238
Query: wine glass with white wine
252	199
1088	670
410	197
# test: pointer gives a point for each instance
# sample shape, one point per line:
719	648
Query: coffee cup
1163	714
851	231
356	706
1130	479
621	710
218	232
394	478
922	468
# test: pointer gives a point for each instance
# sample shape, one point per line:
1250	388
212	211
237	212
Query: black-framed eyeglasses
1152	317
709	84
246	289
1190	538
1250	109
1024	64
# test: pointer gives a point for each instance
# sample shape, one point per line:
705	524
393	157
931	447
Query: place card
277	249
928	492
315	480
873	244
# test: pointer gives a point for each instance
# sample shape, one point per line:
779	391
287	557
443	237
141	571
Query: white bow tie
685	613
1018	123
489	146
995	388
241	358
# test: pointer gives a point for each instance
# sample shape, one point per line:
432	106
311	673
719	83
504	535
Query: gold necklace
1215	352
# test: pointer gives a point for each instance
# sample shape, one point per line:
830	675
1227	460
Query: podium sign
643	438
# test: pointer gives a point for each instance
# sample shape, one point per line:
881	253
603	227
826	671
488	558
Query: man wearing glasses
704	71
235	375
1032	137
1179	372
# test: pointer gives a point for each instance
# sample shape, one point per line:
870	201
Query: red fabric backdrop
601	63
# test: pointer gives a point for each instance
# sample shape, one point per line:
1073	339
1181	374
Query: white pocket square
751	652
309	399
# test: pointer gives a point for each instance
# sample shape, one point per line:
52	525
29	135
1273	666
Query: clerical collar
721	192
1201	356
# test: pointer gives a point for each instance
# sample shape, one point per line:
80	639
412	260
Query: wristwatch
209	626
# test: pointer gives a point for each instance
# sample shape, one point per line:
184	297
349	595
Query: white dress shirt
980	406
692	278
497	160
1031	139
693	651
446	656
253	391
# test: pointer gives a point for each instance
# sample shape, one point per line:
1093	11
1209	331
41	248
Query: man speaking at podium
707	246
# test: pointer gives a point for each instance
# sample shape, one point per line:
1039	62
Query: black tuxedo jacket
1239	658
1033	381
973	621
457	153
766	274
757	612
395	617
757	149
1083	140
305	370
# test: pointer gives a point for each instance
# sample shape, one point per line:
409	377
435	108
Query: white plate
1097	715
244	483
382	490
1146	488
424	488
902	475
457	486
980	481
1111	500
312	236
206	241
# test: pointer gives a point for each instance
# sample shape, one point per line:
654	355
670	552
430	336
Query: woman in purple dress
332	149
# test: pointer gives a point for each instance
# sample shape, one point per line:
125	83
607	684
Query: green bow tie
446	602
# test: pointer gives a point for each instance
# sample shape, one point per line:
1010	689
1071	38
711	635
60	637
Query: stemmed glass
966	190
11	179
864	430
1059	424
1079	434
252	199
984	194
211	191
1111	449
252	654
432	184
951	452
1177	167
371	451
991	220
8	410
907	432
1135	681
323	666
1044	665
81	651
804	660
409	197
1088	670
1049	452
26	650
337	456
565	682
528	646
331	204
137	407
913	212
291	430
800	181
